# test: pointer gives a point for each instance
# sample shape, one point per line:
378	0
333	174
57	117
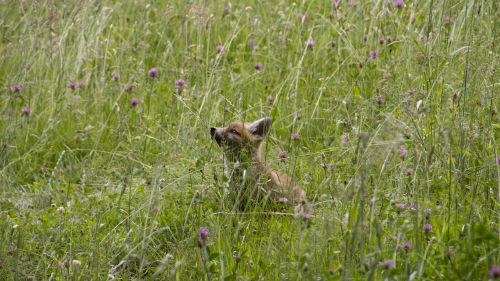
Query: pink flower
282	154
219	49
179	84
399	3
258	66
16	88
26	111
310	44
295	136
153	72
134	102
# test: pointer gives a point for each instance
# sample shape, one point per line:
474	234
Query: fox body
247	172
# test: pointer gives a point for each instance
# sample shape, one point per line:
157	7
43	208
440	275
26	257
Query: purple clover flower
282	154
409	171
399	3
26	110
373	54
400	206
388	264
179	84
494	272
283	200
427	227
406	245
153	72
310	44
134	102
403	152
16	88
203	234
295	136
219	49
72	85
258	66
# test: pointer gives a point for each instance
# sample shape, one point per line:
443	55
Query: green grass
92	188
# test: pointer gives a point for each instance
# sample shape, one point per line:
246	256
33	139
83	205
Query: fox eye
233	131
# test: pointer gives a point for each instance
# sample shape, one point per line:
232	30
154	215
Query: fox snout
216	134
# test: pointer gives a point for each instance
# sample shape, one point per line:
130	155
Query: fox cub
248	174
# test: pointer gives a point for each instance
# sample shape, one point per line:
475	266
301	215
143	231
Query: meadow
108	172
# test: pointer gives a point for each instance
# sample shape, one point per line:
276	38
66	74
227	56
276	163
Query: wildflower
409	171
226	9
72	85
295	136
203	234
134	102
179	84
80	85
498	160
399	3
413	207
258	66
26	110
153	72
282	154
388	264
406	245
373	54
283	200
115	76
379	100
336	3
403	152
129	88
344	139
307	215
427	227
251	43
16	88
219	49
310	43
400	206
494	272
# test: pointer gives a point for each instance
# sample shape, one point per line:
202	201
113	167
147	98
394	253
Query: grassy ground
396	107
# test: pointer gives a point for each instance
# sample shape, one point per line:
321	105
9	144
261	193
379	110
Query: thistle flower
295	136
153	72
80	85
379	100
219	49
134	102
282	154
388	264
16	88
310	43
179	84
427	227
399	3
26	111
373	54
494	272
258	66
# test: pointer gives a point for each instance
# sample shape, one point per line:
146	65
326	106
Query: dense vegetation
107	170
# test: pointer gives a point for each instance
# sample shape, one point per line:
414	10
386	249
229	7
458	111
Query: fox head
238	138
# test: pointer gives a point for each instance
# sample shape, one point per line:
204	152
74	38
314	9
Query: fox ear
260	127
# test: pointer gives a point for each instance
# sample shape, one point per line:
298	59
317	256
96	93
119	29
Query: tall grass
396	108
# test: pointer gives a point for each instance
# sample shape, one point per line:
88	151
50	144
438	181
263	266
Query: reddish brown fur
244	164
